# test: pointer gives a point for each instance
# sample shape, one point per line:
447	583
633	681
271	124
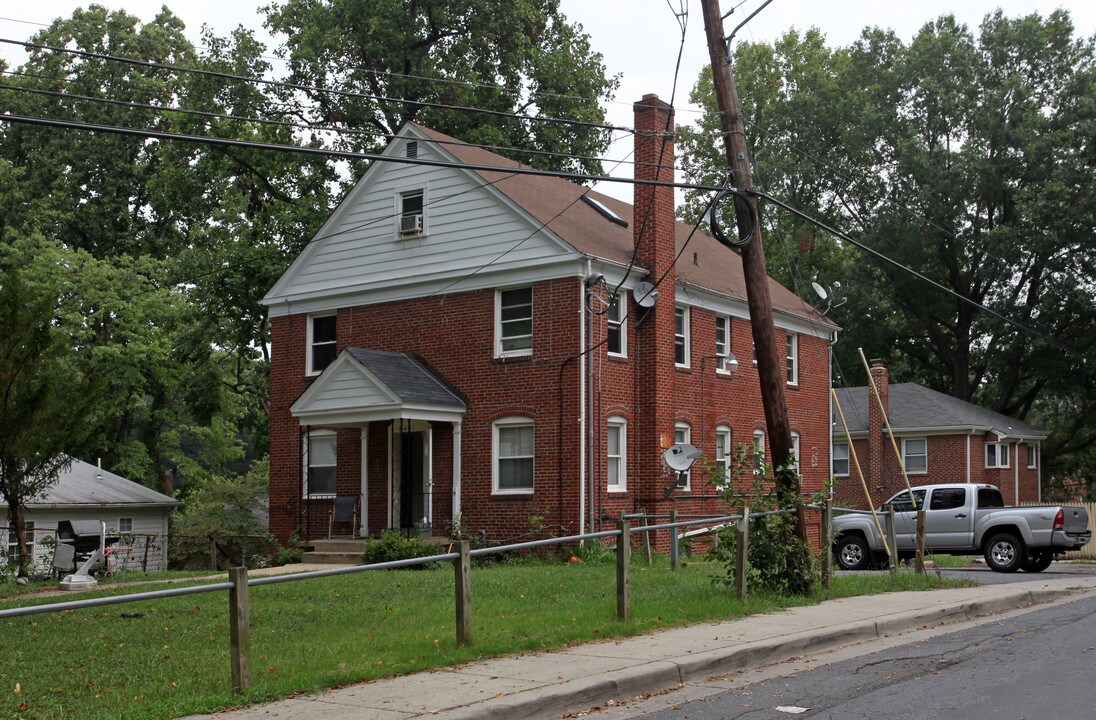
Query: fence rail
239	582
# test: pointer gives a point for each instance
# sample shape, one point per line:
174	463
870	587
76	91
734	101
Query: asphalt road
1031	663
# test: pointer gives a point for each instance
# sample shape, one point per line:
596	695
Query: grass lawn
170	657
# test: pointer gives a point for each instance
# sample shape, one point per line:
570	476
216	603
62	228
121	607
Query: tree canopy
964	156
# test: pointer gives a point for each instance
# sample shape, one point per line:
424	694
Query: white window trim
1033	456
721	365
795	452
685	335
848	460
1006	456
758	450
120	530
620	483
398	213
685	431
905	455
723	439
512	421
308	371
792	358
499	352
619	306
305	439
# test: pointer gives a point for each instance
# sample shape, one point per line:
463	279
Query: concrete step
338	545
332	558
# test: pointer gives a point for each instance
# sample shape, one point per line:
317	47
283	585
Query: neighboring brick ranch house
942	440
428	351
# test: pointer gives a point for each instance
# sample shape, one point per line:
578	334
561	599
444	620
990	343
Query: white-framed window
758	451
723	345
321	342
13	540
997	455
723	454
681	337
795	452
513	455
915	455
793	358
841	458
514	322
683	433
320	462
411	221
618	329
616	454
1032	457
125	525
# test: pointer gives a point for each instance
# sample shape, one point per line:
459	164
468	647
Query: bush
392	546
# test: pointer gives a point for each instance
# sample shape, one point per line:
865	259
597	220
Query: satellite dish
820	291
645	294
681	456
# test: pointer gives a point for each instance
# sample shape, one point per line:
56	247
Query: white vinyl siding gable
471	226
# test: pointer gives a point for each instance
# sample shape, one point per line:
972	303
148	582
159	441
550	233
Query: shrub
392	546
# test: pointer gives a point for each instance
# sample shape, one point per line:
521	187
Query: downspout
582	404
829	362
1039	471
1016	476
969	433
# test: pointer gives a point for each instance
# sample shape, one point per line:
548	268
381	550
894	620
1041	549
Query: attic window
412	148
606	212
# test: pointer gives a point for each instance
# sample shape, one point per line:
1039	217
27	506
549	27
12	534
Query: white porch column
363	513
456	470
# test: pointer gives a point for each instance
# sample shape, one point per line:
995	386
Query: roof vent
412	148
605	211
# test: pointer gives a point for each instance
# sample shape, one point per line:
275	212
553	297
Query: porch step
337	551
332	558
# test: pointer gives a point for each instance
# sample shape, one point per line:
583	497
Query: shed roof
83	484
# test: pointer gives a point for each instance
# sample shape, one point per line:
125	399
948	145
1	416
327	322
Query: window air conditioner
410	225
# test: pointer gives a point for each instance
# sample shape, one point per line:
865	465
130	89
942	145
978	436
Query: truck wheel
1004	552
1038	562
852	553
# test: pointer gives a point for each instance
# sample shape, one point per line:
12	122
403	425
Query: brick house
431	350
942	440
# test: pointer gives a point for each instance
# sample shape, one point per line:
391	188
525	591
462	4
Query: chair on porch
344	511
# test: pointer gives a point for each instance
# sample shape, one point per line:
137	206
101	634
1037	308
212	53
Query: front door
412	467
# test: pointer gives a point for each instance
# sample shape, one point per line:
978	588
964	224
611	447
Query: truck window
901	501
990	498
947	498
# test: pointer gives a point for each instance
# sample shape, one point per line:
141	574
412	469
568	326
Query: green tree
45	389
518	60
964	158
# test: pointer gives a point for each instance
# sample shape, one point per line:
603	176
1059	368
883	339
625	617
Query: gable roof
568	229
363	385
914	407
84	484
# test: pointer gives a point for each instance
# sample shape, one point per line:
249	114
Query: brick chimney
877	433
653	230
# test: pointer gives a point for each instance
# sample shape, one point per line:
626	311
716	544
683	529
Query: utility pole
770	369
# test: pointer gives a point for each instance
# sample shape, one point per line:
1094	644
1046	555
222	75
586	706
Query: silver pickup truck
964	519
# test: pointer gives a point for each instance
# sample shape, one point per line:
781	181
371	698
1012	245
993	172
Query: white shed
86	492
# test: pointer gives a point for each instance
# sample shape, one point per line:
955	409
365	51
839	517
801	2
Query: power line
307	88
340	154
265	121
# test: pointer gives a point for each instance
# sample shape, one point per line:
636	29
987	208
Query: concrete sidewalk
546	685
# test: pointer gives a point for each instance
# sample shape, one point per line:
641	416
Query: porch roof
362	385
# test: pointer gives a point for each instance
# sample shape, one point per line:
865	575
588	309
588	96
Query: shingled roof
83	484
915	407
555	202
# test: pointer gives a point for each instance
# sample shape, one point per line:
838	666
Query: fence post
212	554
462	568
239	622
919	543
646	537
827	542
624	556
892	540
673	541
742	554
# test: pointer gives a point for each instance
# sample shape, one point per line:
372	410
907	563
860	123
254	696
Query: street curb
550	702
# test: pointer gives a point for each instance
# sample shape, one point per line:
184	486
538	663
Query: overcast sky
638	38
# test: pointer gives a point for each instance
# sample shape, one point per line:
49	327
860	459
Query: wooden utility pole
771	371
